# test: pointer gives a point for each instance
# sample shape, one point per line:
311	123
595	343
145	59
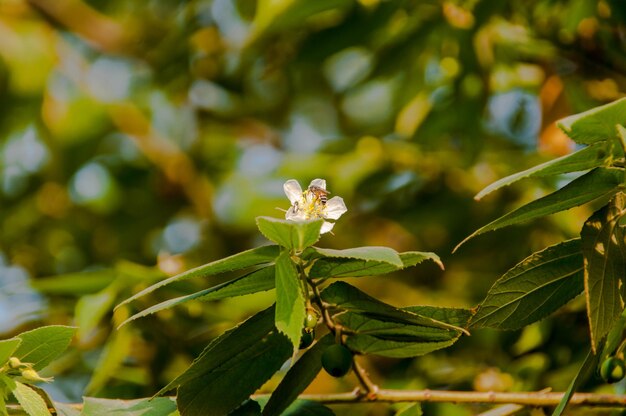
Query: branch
435	396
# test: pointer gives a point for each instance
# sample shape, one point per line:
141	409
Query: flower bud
31	375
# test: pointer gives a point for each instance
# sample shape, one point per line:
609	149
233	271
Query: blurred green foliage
139	139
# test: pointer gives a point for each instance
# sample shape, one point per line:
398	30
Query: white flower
312	203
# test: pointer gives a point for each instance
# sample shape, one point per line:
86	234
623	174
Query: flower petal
320	183
294	215
326	227
293	190
335	207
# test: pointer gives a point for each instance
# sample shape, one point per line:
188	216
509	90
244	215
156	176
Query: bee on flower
313	203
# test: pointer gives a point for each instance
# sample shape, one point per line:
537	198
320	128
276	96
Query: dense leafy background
140	139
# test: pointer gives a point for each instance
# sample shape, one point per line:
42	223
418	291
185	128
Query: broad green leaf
367	344
42	345
239	261
7	348
340	267
253	282
227	386
290	303
604	255
343	296
32	403
454	316
595	125
366	324
307	408
299	376
227	347
534	288
600	183
586	370
588	158
248	408
372	253
90	309
159	406
293	235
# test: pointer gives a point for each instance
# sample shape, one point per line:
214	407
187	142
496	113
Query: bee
320	193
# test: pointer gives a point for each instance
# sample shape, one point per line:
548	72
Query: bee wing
293	190
319	183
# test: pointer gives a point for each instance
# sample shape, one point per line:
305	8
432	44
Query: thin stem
370	387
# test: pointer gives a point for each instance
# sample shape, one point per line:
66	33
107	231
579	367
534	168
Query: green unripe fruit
310	321
307	339
337	360
613	370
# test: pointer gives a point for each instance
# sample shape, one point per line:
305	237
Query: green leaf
604	255
299	376
534	288
590	157
341	267
224	388
307	408
343	296
586	370
414	409
368	344
91	309
7	348
159	406
32	403
595	125
239	261
372	253
290	303
248	408
293	235
600	183
42	345
253	282
74	284
227	347
454	316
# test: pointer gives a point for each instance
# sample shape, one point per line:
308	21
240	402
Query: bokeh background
141	138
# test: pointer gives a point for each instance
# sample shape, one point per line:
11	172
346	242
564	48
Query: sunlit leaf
374	254
32	403
42	345
368	344
290	307
600	183
341	295
296	235
253	282
299	376
341	267
597	124
159	406
7	348
605	267
115	351
587	158
90	309
243	260
414	409
534	288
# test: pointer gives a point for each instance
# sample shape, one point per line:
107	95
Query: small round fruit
310	321
613	370
337	360
307	339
